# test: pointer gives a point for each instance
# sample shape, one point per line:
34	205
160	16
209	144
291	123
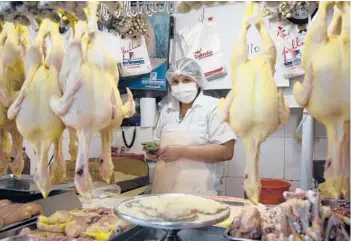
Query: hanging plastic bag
135	58
202	44
289	41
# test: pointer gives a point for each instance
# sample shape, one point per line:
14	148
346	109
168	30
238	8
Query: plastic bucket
272	191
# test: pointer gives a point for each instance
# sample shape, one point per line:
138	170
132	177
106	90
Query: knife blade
233	203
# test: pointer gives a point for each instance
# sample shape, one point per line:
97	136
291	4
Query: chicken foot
334	172
252	183
17	163
58	166
82	178
41	176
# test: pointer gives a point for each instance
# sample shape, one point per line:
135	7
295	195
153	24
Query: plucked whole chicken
34	118
14	44
91	101
325	92
254	107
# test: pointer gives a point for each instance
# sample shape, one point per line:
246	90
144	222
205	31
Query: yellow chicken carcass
90	100
325	92
34	118
14	43
254	107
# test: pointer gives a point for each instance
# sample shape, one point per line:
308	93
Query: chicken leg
5	150
17	163
58	166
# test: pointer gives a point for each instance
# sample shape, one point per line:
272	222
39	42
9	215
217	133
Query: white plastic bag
202	44
289	41
135	58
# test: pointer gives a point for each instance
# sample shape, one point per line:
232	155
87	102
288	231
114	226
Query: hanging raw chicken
254	108
34	118
90	100
325	92
14	43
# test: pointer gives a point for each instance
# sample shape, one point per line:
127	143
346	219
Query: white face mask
185	93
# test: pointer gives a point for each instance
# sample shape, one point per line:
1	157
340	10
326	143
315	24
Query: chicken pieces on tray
300	217
85	224
11	213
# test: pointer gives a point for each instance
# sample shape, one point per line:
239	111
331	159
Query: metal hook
170	7
153	6
131	10
147	9
140	7
126	8
161	9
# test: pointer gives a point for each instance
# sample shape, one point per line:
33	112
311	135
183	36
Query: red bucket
272	191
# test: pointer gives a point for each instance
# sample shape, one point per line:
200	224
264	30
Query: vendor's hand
170	153
151	156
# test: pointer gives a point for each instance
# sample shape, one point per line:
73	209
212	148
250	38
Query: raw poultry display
86	224
325	92
300	217
11	213
34	118
91	101
14	44
254	107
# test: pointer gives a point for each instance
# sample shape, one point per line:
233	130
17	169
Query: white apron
182	176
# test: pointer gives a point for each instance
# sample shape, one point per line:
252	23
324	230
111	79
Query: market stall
90	68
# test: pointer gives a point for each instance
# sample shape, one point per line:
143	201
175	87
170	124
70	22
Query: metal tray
330	202
171	225
139	233
228	237
12	225
15	228
26	184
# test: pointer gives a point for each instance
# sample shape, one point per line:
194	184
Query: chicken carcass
254	108
90	100
34	118
325	92
14	43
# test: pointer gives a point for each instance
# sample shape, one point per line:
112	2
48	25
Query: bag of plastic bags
289	41
202	44
135	58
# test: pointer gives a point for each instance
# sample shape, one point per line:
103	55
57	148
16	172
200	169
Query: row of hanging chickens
45	88
255	108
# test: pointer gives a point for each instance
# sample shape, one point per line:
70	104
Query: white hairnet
187	67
